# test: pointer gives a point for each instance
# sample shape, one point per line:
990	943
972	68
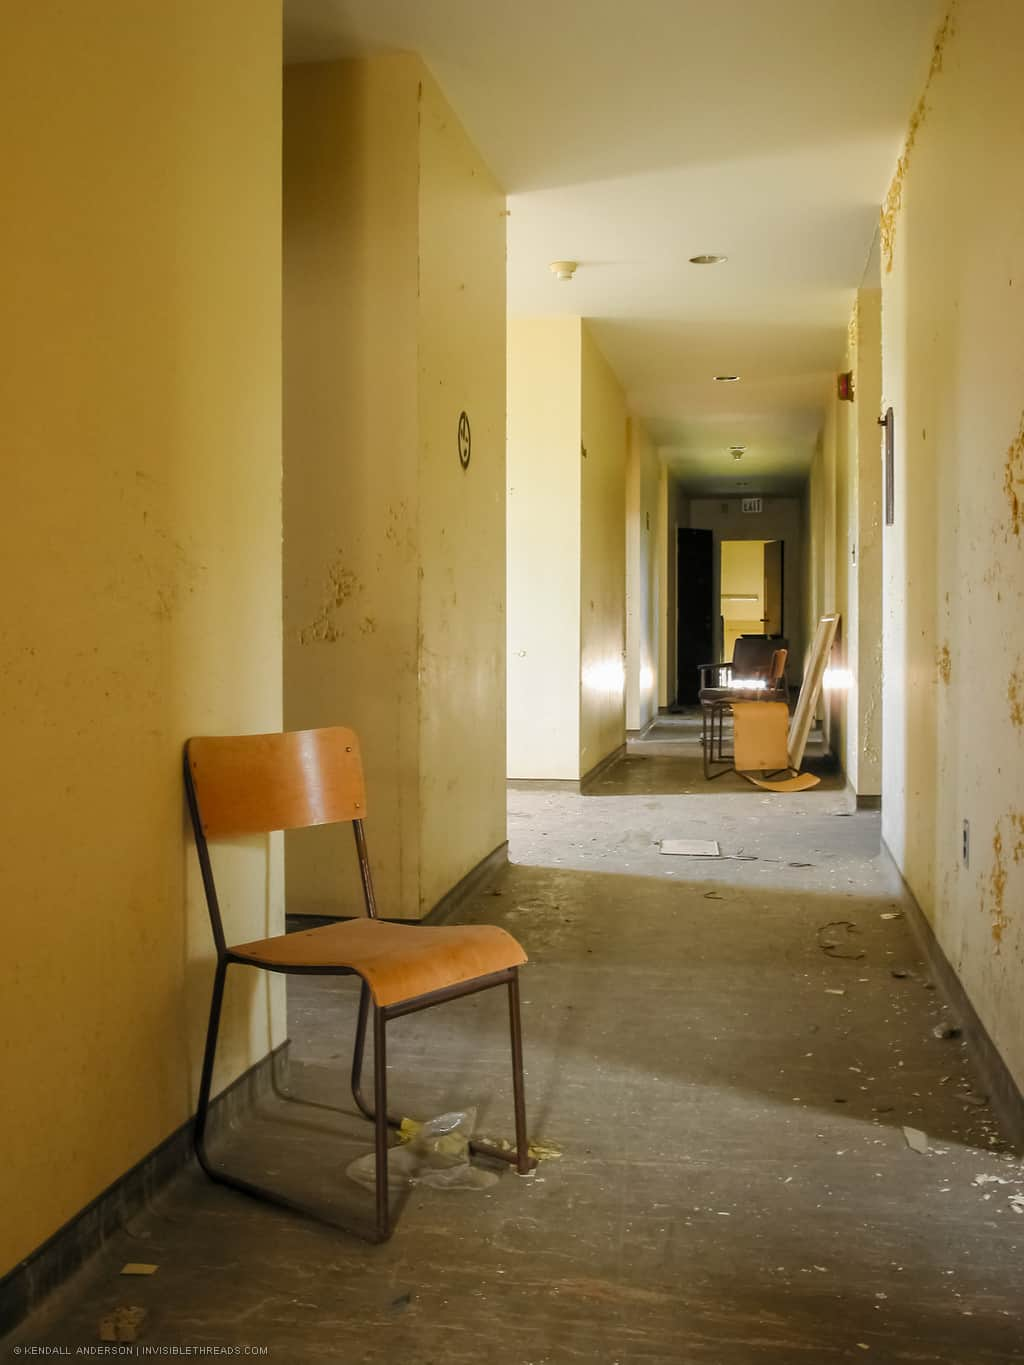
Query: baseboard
609	760
869	803
1004	1094
46	1268
474	880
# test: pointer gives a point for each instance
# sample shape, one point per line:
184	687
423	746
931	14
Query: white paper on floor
692	848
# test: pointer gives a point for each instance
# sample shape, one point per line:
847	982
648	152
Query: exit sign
750	505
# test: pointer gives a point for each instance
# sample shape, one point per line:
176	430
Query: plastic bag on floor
436	1155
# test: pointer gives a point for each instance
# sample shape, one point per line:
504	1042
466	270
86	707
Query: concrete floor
735	1188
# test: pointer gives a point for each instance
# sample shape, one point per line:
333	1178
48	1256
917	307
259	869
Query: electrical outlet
966	844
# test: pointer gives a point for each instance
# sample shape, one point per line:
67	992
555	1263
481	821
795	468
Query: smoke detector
563	270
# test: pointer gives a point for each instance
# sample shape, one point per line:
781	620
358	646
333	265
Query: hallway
734	1187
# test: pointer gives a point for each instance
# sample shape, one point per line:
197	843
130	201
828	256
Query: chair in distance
254	784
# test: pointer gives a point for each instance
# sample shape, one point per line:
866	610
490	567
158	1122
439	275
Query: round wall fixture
465	440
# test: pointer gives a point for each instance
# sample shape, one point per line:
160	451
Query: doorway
695	567
752	583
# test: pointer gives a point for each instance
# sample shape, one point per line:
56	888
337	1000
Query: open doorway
752	589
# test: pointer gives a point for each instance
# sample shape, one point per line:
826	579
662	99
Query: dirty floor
727	1053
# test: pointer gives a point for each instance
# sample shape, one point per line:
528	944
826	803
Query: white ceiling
631	136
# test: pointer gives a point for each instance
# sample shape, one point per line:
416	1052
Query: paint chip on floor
916	1140
692	848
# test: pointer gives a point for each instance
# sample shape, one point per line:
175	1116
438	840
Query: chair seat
709	695
397	961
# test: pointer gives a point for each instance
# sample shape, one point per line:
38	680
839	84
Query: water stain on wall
944	663
894	198
1013	479
342	584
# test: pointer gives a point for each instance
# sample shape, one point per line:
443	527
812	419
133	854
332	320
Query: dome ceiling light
563	270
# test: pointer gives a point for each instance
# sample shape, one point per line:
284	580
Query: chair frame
377	1113
714	712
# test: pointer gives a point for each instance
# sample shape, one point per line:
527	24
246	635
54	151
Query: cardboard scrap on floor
692	848
138	1268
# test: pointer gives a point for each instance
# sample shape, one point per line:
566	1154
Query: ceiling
630	137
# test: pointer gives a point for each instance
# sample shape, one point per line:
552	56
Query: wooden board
799	782
807	702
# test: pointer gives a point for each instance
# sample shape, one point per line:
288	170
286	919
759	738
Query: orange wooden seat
251	784
397	961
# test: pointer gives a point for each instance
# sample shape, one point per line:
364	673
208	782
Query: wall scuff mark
894	197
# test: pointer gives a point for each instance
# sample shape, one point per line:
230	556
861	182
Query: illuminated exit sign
750	505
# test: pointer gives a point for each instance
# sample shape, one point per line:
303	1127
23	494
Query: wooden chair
253	784
717	702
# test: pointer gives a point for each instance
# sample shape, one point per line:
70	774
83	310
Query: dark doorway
695	605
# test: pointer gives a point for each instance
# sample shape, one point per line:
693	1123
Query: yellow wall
644	626
141	554
953	356
602	559
566	551
543	547
394	555
742	590
462	363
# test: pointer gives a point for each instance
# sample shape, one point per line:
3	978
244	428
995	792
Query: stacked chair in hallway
758	660
253	784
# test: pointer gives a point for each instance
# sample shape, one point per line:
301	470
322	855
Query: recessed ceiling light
726	378
708	260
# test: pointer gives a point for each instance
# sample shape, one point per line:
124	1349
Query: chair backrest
252	784
752	656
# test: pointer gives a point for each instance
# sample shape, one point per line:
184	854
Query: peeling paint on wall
1013	479
342	584
894	197
944	663
1015	696
998	876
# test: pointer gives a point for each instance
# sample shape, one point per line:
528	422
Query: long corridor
726	1052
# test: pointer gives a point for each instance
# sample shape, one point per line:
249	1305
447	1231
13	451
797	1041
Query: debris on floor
123	1324
834	939
435	1154
692	848
916	1140
946	1030
139	1268
539	1149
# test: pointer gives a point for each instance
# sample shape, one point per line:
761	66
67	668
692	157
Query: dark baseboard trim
568	784
869	803
609	760
543	784
1003	1092
474	880
46	1268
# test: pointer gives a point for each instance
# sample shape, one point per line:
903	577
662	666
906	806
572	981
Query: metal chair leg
209	1055
380	1104
358	1054
523	1163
